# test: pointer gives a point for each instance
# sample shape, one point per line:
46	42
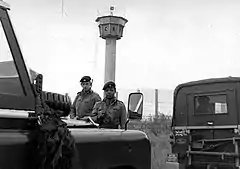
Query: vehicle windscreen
9	77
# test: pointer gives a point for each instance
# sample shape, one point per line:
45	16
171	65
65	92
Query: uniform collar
110	101
85	93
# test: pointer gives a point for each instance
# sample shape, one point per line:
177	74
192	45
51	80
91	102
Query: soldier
85	100
204	105
110	113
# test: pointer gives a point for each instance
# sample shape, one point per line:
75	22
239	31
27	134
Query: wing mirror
135	106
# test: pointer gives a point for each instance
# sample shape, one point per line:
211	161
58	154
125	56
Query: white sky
165	42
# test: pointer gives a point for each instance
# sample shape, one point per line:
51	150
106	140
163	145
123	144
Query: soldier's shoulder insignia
120	102
78	95
99	102
96	94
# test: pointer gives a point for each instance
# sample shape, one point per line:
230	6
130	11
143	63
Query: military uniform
84	101
110	113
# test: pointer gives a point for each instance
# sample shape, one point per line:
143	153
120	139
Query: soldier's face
86	85
110	92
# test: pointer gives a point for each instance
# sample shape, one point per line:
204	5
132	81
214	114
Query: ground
158	130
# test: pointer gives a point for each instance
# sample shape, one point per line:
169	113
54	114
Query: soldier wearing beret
85	100
110	113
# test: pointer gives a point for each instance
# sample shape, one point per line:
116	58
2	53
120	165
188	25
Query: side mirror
135	106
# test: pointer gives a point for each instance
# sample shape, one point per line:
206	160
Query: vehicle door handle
210	123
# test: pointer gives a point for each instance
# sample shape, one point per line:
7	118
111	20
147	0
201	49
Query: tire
212	166
57	102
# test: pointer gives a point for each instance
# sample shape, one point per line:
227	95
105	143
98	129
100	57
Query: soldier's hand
72	116
100	114
86	118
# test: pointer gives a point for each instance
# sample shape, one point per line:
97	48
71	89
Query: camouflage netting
55	144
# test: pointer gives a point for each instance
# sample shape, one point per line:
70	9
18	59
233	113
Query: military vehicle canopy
210	102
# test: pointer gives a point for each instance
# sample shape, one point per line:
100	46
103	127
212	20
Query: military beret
85	79
109	84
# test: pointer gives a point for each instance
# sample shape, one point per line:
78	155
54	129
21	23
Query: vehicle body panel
95	146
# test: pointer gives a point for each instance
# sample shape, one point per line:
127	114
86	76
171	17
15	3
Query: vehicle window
210	104
9	78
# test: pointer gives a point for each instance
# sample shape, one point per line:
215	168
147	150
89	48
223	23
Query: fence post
156	103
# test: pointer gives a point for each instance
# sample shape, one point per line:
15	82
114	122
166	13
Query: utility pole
156	103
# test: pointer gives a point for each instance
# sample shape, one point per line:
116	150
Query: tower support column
110	59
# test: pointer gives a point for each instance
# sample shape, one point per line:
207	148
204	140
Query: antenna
98	13
62	9
112	8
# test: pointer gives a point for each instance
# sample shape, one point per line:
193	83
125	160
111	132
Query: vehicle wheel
123	167
189	167
57	102
211	166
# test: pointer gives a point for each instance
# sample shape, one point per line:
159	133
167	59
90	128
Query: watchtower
111	29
